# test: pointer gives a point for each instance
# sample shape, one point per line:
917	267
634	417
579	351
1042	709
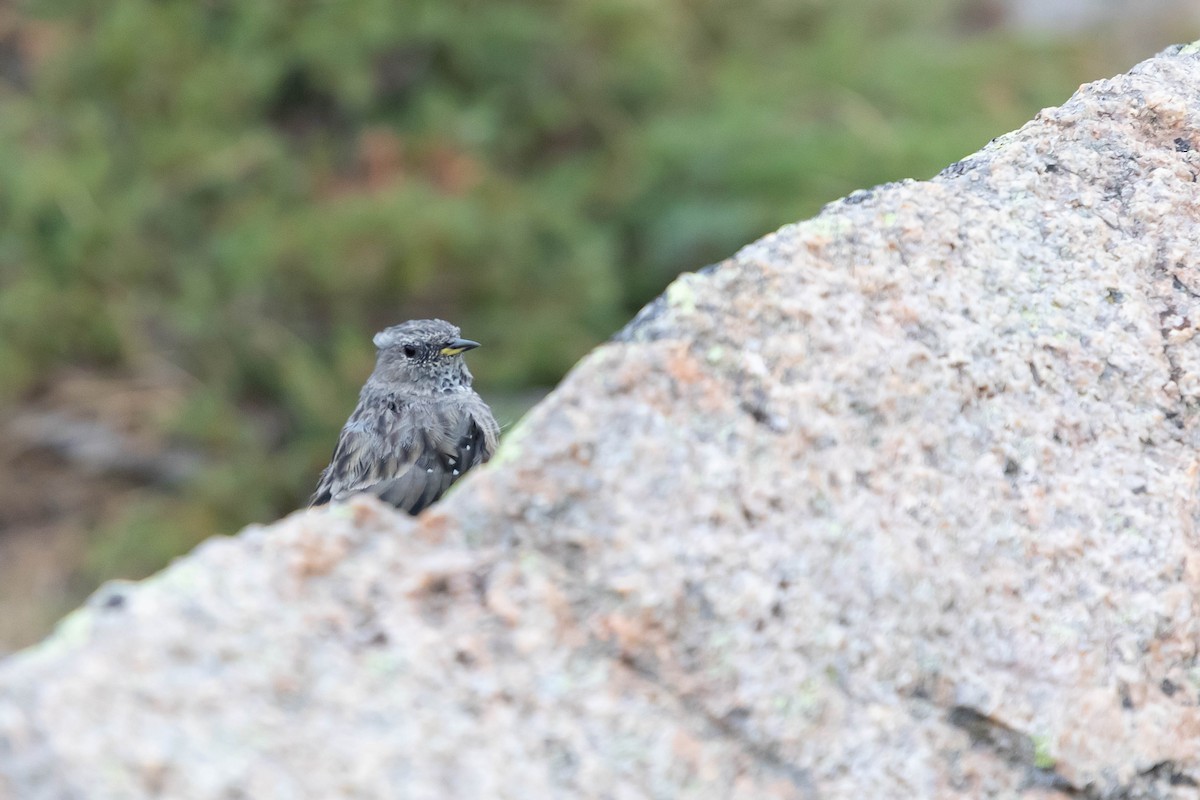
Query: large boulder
897	502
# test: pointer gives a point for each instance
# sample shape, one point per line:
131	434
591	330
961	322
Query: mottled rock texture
897	502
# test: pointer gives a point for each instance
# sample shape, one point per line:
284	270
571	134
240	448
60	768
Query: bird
419	425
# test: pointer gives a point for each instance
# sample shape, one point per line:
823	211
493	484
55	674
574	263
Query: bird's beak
457	346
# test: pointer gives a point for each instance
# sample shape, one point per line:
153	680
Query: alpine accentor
418	426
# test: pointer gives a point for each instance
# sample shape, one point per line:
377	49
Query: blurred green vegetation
246	191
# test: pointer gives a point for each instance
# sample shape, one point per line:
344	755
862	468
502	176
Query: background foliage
230	197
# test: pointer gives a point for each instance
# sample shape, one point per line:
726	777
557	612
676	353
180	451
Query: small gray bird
418	426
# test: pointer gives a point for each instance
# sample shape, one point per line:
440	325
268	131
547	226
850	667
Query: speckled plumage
418	426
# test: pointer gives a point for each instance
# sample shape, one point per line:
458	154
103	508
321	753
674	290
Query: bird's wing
450	444
378	442
486	432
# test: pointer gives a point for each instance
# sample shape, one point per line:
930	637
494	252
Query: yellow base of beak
459	346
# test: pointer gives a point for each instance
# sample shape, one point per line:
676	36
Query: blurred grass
246	191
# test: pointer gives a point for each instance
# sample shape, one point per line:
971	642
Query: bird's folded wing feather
375	445
446	449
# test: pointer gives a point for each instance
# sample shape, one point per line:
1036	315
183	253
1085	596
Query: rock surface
897	502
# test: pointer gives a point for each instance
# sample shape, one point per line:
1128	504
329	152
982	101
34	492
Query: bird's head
425	355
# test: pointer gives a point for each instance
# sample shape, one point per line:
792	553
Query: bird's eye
410	350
